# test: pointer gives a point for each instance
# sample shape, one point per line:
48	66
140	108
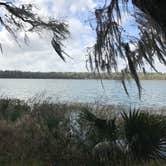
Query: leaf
1	48
57	48
132	68
144	71
125	88
145	135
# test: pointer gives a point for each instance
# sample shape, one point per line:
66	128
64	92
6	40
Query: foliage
103	129
11	110
45	133
145	135
22	18
140	137
114	42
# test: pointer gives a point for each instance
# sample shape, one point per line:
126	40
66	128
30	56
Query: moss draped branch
114	42
23	18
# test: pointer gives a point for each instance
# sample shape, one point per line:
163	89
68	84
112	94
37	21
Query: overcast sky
39	55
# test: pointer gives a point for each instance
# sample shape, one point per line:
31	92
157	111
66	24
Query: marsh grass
44	133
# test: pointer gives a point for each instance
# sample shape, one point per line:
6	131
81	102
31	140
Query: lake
86	91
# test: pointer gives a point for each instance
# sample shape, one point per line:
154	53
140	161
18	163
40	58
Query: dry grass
47	134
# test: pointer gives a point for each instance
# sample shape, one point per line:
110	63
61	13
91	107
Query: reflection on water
88	91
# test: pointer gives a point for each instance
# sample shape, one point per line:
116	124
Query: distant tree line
76	75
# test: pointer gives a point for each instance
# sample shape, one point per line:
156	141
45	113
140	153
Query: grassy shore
47	134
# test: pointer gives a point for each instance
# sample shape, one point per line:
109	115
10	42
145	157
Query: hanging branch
23	18
112	43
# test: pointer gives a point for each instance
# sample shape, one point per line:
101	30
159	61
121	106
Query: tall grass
47	134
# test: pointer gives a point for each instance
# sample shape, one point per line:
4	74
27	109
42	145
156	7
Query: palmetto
145	135
142	136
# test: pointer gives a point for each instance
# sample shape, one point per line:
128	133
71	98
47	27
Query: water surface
86	91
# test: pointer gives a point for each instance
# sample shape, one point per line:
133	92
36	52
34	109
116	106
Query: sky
39	55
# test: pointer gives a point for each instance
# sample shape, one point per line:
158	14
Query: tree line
76	75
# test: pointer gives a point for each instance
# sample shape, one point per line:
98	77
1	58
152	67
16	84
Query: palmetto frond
145	135
106	129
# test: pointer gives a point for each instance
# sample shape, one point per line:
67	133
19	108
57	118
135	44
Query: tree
154	8
23	18
113	42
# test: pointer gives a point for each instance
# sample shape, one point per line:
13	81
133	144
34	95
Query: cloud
39	55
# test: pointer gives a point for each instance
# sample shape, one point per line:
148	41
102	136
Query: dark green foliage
139	137
145	135
12	109
104	129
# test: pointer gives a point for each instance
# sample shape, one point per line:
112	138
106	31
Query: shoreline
76	75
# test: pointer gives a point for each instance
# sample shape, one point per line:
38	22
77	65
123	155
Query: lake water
86	91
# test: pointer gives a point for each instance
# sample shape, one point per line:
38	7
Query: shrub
145	135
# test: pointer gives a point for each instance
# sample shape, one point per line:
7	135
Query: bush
145	134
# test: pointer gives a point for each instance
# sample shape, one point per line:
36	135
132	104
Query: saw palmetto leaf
145	135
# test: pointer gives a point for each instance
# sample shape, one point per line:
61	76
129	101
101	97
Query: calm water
88	91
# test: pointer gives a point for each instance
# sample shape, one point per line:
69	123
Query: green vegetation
43	133
76	75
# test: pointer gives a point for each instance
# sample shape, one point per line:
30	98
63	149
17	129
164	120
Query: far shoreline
76	75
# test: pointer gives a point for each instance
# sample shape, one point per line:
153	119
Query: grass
46	134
